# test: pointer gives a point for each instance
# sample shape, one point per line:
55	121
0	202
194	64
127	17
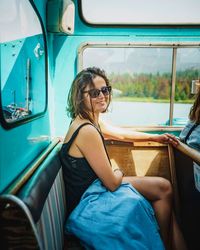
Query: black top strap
76	132
190	132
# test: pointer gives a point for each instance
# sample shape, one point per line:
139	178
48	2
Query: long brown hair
75	99
194	114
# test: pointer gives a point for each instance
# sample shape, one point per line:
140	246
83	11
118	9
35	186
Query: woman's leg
159	192
178	242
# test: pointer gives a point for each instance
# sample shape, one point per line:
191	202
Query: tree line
156	86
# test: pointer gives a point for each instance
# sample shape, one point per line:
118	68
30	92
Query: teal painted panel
19	146
41	7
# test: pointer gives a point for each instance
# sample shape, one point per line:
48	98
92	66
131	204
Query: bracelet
118	169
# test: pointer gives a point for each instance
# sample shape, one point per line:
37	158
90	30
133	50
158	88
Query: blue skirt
119	220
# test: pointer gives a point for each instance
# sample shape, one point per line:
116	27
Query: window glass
187	70
141	81
23	81
133	12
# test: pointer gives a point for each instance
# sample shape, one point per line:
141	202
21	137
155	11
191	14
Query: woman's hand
166	138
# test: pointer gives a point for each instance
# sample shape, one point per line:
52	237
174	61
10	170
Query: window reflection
22	61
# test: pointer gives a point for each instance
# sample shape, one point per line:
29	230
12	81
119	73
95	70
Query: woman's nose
101	95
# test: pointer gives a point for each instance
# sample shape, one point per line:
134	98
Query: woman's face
100	102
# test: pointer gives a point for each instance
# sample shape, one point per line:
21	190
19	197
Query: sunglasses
94	93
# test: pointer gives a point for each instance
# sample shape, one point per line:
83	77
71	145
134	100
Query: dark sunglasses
94	93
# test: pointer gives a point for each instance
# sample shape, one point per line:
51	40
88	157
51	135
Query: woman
105	208
190	134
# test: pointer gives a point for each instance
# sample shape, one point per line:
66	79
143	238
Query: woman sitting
107	210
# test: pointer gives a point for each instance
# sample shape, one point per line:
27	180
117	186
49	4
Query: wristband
118	169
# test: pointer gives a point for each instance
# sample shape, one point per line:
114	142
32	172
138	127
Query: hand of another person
167	138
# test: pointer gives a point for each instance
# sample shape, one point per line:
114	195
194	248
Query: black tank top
77	173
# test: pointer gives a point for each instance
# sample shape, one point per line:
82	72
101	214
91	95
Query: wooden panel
145	159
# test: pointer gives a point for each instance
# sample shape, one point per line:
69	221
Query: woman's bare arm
96	156
128	134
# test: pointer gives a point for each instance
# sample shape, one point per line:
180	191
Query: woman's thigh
153	188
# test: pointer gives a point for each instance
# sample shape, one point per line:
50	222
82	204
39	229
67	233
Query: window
22	51
187	70
144	12
141	77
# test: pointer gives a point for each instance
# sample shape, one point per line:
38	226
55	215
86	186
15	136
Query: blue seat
33	218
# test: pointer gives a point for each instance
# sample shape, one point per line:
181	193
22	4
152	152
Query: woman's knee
165	188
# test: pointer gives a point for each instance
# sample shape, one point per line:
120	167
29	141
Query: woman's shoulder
191	131
84	128
88	130
88	135
186	129
79	128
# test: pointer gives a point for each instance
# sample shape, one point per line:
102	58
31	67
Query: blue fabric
118	220
194	139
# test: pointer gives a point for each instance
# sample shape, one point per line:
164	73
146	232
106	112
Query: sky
140	60
142	11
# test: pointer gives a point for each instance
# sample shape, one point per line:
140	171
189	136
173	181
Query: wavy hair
75	101
194	114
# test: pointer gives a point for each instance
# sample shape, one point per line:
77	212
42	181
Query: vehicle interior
152	62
